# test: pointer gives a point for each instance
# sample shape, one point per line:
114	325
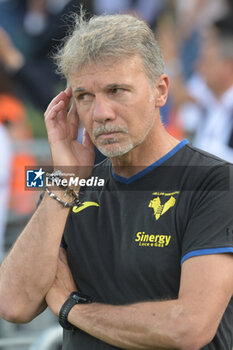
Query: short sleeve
210	227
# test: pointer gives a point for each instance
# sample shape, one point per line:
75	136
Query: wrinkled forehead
126	69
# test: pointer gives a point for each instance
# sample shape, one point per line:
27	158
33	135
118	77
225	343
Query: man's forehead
118	70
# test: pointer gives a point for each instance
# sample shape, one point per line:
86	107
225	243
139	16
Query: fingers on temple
53	112
68	91
61	101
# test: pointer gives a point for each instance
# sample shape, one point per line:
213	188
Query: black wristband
74	298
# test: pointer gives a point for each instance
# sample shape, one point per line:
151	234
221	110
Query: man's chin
114	150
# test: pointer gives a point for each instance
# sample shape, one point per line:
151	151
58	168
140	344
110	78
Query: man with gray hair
146	259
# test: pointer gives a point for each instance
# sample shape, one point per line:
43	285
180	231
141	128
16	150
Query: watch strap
74	298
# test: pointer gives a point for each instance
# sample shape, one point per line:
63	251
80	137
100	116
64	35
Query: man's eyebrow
79	89
109	86
118	85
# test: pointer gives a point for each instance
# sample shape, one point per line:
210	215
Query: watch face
80	298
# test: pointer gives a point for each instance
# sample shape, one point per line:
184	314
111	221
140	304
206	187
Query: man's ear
161	90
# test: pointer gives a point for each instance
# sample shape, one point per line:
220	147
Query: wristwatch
74	298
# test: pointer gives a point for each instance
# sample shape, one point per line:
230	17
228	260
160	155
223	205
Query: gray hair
110	37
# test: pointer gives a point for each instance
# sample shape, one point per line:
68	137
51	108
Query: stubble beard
119	150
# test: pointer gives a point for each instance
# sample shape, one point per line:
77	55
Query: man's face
115	104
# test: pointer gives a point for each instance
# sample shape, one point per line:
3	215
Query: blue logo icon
35	178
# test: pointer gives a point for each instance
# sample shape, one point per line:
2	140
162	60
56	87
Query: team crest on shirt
162	203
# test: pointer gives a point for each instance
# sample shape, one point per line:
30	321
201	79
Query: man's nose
103	110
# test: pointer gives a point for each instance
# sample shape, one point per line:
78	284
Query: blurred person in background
213	90
36	16
26	76
203	103
29	29
13	116
190	17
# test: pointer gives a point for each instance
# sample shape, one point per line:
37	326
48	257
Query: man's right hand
62	129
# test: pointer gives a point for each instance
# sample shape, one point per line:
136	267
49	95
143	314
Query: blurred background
196	38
